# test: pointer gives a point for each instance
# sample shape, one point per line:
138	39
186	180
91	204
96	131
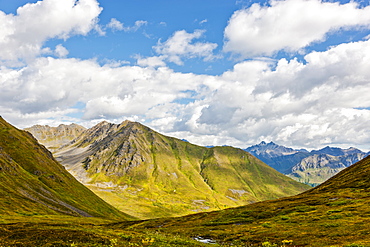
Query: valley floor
325	219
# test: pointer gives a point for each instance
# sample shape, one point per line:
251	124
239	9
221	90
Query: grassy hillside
150	175
33	183
336	214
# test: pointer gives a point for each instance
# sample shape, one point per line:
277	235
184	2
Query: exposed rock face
312	167
55	137
148	175
278	157
318	168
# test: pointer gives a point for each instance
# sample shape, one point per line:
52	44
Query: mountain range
130	164
313	167
42	205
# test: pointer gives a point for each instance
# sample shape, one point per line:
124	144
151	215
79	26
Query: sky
213	72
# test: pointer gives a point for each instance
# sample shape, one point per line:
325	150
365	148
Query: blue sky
214	72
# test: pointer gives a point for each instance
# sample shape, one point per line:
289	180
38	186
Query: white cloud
320	101
61	51
23	35
289	25
116	25
203	21
180	45
137	25
292	103
49	84
151	61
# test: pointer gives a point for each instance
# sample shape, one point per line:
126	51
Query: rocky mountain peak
55	137
142	166
270	149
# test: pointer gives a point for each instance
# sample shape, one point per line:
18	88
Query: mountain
278	157
150	175
32	182
335	213
317	168
55	137
336	151
313	167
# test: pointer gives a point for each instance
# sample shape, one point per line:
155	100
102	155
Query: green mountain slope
150	175
336	213
33	183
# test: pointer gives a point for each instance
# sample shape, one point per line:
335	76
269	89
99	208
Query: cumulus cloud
23	35
116	25
180	45
310	103
289	25
151	61
61	51
290	102
49	84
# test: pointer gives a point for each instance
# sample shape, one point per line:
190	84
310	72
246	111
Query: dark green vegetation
33	183
149	175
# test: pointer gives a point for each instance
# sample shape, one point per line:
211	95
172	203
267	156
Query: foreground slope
150	175
336	213
33	183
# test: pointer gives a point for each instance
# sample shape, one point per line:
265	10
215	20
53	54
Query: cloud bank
316	101
289	25
293	103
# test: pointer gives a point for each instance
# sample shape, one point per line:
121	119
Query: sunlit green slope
150	175
336	213
33	183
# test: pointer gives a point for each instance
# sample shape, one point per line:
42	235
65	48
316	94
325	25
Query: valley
39	207
149	175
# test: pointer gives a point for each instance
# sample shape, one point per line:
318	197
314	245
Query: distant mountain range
149	175
307	167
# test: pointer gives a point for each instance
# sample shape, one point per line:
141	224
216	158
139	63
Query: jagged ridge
312	167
